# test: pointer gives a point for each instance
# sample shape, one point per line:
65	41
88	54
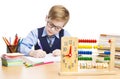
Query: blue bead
107	52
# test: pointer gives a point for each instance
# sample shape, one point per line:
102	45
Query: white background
88	18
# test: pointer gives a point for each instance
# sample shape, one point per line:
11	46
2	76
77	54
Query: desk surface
47	71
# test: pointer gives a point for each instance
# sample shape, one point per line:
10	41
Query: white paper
47	58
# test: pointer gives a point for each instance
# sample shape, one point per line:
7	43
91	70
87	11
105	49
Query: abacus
87	63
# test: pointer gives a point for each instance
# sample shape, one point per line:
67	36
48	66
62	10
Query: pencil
39	43
19	42
6	41
43	63
8	44
27	64
15	40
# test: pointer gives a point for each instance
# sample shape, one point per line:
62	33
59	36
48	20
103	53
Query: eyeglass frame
51	25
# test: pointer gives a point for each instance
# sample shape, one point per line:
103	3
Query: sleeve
66	33
28	42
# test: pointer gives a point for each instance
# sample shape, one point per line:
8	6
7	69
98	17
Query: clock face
69	57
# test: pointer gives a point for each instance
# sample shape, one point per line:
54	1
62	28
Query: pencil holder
12	48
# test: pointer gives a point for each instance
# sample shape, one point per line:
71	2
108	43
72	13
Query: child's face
53	26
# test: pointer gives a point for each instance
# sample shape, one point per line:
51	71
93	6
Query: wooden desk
48	71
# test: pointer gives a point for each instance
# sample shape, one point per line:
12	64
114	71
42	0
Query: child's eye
57	28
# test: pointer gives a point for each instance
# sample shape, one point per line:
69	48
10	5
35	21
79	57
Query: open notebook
47	59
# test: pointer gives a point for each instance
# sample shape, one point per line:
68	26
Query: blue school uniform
44	43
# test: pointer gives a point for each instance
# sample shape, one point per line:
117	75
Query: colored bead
87	41
107	58
107	52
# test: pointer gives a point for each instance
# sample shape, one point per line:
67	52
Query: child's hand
56	52
38	53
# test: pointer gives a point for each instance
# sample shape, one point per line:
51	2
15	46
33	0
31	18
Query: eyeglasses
51	25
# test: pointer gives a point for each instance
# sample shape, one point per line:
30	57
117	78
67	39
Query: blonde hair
59	12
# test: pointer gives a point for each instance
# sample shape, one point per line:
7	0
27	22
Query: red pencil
16	40
43	63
